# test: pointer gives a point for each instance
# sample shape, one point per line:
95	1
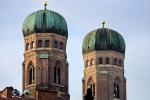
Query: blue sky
129	17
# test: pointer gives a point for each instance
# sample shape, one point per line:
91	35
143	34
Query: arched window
92	62
61	45
91	86
88	95
87	63
39	43
116	90
55	44
31	74
120	62
27	46
115	61
107	60
100	60
57	73
32	45
46	43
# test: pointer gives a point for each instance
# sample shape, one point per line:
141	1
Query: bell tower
45	66
103	55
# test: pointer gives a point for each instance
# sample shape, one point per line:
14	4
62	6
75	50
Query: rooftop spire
45	4
103	24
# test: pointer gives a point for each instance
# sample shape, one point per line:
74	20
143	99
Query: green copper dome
45	21
103	39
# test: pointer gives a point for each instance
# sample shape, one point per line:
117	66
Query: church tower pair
45	66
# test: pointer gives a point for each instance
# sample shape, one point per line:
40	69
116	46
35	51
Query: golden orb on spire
45	4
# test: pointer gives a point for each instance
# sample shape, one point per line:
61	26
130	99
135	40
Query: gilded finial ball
45	4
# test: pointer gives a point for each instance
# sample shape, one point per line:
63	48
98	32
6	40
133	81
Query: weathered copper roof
103	39
45	21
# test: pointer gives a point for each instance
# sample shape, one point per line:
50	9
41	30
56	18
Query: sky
131	18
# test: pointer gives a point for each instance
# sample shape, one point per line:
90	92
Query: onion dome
45	21
103	39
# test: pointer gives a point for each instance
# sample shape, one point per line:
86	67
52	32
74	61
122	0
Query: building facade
45	66
103	54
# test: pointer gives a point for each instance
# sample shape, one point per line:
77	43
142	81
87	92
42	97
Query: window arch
92	62
116	86
116	90
61	45
57	73
27	46
115	61
55	44
107	60
91	86
100	60
31	75
32	45
87	63
46	43
39	43
120	62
